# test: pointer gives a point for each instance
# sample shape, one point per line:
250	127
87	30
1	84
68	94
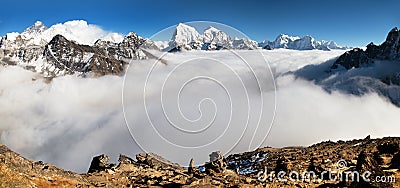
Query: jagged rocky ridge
61	56
388	50
378	156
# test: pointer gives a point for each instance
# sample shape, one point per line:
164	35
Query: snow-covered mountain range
297	43
72	47
186	37
79	47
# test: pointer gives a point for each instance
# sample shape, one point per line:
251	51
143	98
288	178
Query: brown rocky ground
380	157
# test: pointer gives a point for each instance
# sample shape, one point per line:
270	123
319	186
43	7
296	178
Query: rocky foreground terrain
380	158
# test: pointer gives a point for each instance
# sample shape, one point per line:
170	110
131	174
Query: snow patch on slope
12	36
113	37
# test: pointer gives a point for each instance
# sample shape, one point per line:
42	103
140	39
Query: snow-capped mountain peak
35	29
216	39
213	34
211	28
283	40
244	44
186	37
304	43
185	34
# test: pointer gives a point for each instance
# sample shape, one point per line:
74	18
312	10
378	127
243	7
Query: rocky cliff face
259	168
67	57
354	58
388	50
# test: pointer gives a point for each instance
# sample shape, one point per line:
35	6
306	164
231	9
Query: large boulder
366	163
99	163
155	161
217	163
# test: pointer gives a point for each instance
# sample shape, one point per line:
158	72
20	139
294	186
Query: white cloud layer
81	32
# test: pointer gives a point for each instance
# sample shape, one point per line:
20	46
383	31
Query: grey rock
155	161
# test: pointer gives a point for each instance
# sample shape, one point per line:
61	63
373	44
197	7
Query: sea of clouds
71	119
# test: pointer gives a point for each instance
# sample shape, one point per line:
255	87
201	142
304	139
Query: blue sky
353	23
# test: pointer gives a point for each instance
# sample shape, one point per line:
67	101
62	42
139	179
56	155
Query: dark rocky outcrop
395	161
354	58
268	47
367	163
70	57
217	163
388	50
99	163
388	148
130	47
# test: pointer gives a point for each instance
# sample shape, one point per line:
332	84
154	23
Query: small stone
192	168
248	180
123	159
